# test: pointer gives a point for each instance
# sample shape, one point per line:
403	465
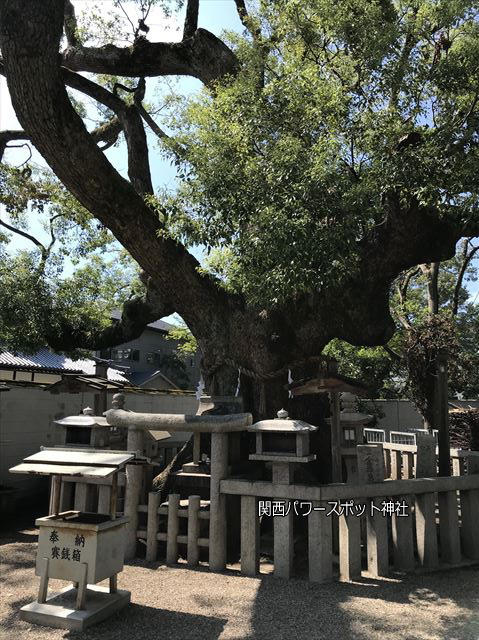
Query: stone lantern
283	442
85	430
352	424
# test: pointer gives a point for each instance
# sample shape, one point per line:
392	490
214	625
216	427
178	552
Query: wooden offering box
81	548
73	538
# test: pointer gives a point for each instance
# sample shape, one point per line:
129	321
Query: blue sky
215	15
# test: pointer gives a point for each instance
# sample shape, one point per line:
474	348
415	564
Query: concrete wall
26	423
401	415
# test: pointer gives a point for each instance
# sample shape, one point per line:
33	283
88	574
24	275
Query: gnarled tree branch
71	25
467	256
36	85
191	19
7	136
203	56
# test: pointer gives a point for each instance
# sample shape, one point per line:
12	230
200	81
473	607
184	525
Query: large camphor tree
334	146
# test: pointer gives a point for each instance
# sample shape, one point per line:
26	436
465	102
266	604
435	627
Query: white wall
401	415
27	415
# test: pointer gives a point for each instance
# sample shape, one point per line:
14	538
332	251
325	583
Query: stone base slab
59	609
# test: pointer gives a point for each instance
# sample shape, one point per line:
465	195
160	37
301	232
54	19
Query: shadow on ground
442	605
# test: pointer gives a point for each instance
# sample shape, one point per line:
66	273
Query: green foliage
187	344
73	273
286	178
405	367
173	366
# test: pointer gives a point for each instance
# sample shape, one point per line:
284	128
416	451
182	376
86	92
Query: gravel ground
184	604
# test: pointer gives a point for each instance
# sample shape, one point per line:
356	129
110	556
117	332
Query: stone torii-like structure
219	426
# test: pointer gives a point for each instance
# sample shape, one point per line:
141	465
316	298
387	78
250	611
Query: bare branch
242	12
107	133
431	271
26	235
191	19
394	355
403	287
130	119
467	256
70	24
8	136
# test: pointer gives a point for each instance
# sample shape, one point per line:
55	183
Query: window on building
349	437
125	354
153	357
105	353
192	362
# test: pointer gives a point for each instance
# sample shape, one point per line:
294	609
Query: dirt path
197	605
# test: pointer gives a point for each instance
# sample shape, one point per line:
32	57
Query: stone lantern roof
85	419
282	424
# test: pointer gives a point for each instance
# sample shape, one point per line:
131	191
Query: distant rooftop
47	361
158	325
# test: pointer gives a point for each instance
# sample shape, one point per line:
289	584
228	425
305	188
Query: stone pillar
133	488
371	469
320	544
337	475
283	526
249	536
219	471
426	456
134	478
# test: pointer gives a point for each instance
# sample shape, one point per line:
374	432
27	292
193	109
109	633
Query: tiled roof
158	324
47	360
139	378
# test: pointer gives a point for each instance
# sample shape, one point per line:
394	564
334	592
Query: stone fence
445	524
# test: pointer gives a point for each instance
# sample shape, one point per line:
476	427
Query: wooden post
426	532
172	529
442	415
470	523
66	495
408	464
387	455
249	536
402	536
113	583
152	526
396	464
196	447
80	496
449	527
193	550
56	493
82	585
349	547
43	588
337	475
113	496
457	466
104	491
320	544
